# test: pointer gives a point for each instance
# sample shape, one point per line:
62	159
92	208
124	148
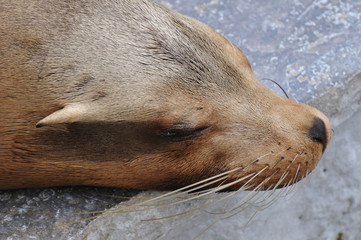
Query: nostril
318	132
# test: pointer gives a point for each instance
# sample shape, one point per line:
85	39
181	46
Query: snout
296	121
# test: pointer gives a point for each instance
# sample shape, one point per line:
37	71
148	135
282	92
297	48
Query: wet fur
131	94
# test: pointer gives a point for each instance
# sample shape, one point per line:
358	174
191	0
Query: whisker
294	159
293	185
268	198
297	173
182	192
270	195
256	190
274	198
253	162
192	198
204	230
226	186
301	180
234	171
294	179
267	79
221	218
249	196
279	182
281	159
216	190
243	206
259	201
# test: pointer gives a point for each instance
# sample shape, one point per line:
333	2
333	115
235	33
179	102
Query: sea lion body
131	94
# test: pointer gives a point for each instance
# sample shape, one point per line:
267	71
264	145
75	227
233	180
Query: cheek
242	144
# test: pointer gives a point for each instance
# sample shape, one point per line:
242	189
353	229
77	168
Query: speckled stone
26	210
312	48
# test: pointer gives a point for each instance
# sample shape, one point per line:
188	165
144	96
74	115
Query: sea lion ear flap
68	114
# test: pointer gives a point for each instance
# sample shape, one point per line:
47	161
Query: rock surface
312	48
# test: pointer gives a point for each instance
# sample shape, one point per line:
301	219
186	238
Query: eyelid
180	132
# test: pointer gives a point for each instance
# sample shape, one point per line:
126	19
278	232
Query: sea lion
131	94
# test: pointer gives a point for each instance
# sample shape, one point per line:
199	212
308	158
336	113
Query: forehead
197	55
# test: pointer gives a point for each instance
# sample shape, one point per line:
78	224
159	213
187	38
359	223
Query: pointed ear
70	113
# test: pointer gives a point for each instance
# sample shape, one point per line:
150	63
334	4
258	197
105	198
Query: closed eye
180	133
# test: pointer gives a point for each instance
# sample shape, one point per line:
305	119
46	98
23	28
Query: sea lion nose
318	132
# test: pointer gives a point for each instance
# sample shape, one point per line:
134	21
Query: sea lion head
152	99
217	117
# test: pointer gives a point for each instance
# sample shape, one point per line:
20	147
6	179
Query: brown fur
137	96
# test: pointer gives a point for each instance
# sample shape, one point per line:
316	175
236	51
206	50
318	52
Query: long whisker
257	200
292	187
267	79
218	219
213	191
209	191
243	206
255	161
295	177
280	193
182	191
252	194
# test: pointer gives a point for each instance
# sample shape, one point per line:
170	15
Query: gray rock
31	210
312	48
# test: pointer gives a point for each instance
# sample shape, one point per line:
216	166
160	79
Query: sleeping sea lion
131	94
